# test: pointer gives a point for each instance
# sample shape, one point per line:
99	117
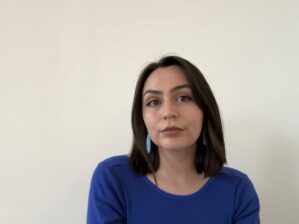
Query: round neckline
164	193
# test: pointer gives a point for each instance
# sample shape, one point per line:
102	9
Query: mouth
172	130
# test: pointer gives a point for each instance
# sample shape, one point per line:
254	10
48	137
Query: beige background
67	76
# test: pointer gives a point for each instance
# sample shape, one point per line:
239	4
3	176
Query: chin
176	147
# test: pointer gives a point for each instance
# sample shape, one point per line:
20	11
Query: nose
169	111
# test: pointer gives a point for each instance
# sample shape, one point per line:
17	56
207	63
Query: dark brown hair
210	157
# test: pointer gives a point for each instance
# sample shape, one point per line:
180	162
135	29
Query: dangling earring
148	144
204	135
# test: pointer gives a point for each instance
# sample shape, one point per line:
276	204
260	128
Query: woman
174	173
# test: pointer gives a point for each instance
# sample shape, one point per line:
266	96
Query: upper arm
106	200
247	205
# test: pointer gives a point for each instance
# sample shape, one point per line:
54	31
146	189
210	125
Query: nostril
170	116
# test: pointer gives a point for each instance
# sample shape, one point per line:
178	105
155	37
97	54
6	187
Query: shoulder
231	174
114	161
235	180
228	172
112	168
238	183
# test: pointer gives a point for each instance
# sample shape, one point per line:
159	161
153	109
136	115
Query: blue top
119	196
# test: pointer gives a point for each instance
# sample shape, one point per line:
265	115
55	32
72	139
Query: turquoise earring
148	144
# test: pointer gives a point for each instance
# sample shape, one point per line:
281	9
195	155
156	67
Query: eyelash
157	101
185	97
149	104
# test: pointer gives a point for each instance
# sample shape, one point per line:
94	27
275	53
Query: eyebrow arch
176	88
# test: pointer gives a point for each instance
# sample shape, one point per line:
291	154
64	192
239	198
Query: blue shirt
119	196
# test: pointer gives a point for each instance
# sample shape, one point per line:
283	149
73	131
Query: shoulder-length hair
210	157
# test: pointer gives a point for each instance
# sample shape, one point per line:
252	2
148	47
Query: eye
184	98
152	103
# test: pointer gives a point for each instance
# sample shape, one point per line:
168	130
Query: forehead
165	78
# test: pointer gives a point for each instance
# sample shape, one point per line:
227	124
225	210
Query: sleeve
247	206
106	198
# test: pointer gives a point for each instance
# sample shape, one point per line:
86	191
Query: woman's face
171	116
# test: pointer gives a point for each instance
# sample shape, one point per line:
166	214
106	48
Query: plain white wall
67	77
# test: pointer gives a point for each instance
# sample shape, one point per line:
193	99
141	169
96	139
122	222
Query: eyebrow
158	92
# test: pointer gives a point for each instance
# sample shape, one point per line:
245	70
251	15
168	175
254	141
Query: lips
172	129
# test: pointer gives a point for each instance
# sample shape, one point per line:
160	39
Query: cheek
148	121
196	128
197	123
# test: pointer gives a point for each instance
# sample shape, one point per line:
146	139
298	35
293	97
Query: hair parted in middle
209	158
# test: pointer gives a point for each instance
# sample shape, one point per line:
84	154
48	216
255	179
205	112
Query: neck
177	172
177	165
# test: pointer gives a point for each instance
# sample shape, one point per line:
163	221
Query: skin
168	101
